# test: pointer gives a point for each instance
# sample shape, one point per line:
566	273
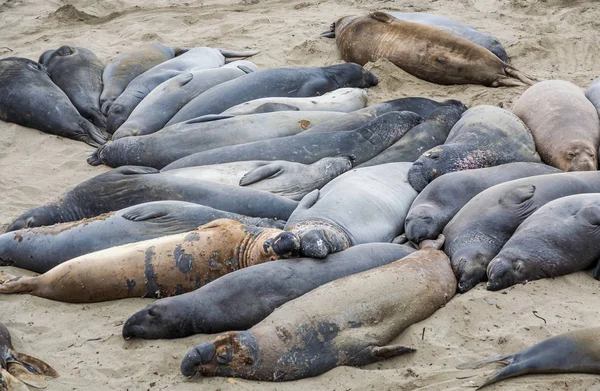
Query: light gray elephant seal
593	94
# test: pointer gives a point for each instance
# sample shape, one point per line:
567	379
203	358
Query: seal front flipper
208	118
135	170
383	352
308	200
382	17
29	370
146	212
260	173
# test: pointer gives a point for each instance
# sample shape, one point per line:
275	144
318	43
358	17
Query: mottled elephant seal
42	248
160	267
564	124
36	102
423	51
350	321
78	72
539	248
485	136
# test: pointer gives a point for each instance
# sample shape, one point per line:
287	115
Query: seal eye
434	156
570	156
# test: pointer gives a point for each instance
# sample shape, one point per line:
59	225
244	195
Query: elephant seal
362	144
474	237
465	31
441	200
245	297
42	248
350	321
365	205
342	99
157	108
277	82
132	185
204	134
36	102
160	267
121	71
78	72
593	94
539	248
564	124
19	370
426	52
572	352
287	179
485	136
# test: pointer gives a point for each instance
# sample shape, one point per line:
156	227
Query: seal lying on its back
42	248
573	352
30	98
132	185
78	72
350	321
161	267
423	51
243	298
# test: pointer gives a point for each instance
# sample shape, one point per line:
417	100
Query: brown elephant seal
350	321
426	52
161	267
573	352
564	124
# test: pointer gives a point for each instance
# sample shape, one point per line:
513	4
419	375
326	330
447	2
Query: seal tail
29	370
517	74
232	53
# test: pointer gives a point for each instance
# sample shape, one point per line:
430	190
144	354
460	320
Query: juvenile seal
245	297
539	248
485	136
161	267
132	185
42	248
33	100
350	321
426	52
78	72
564	124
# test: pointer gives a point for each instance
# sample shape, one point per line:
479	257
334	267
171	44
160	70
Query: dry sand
544	38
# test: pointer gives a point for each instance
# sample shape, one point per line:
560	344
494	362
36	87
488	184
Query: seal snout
286	244
200	355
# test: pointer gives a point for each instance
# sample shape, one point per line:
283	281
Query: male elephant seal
78	72
287	179
564	124
31	99
121	71
245	297
365	205
19	370
42	248
132	185
350	321
441	200
423	51
160	267
573	352
479	230
539	248
277	82
485	136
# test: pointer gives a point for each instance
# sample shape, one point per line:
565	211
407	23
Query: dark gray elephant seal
245	297
539	248
366	205
277	82
78	72
485	136
441	200
362	143
121	71
572	352
132	185
42	248
479	230
36	102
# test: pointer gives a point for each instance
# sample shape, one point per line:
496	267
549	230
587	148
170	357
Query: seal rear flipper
146	212
15	284
514	369
10	383
388	351
328	34
30	370
502	359
260	173
94	159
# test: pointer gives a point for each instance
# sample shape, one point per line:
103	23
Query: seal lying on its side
350	321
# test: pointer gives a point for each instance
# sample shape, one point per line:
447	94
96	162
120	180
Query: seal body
593	94
160	267
243	298
350	321
42	248
564	124
31	99
485	136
